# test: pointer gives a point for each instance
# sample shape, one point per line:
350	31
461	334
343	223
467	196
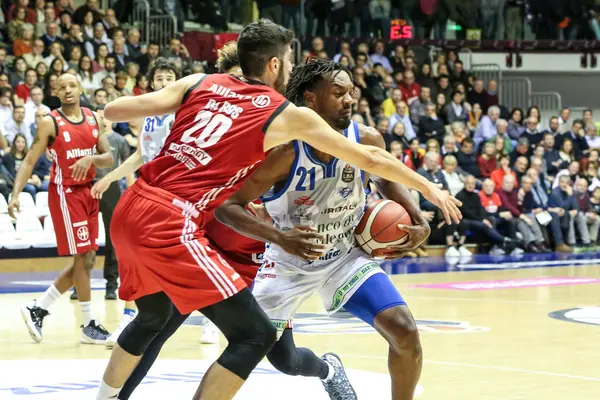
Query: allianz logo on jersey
260	101
78	153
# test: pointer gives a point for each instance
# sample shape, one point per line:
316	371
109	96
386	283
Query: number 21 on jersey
302	173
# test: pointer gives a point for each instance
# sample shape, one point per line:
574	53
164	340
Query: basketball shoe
338	387
210	333
93	333
34	318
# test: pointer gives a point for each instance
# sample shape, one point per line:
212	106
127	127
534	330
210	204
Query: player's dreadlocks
308	76
228	57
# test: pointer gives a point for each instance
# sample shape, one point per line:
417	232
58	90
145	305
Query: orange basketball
378	228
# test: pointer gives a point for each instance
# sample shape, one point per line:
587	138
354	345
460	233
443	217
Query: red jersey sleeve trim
191	89
275	113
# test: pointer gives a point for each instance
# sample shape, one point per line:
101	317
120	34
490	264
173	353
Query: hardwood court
481	340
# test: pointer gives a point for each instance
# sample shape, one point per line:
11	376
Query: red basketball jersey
74	140
215	142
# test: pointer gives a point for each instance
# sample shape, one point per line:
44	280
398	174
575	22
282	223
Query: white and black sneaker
338	387
34	318
93	334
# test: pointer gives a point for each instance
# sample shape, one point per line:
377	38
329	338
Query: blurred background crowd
528	182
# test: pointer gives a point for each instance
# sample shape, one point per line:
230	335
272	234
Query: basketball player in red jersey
223	127
73	136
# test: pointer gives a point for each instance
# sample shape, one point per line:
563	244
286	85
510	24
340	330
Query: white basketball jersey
327	196
154	133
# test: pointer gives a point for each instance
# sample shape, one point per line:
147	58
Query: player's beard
280	82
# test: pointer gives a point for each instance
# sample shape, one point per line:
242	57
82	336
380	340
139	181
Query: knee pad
136	337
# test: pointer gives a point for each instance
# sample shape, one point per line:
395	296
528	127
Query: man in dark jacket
430	126
467	160
474	218
562	197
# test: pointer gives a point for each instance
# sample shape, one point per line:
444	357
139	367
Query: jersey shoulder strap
281	187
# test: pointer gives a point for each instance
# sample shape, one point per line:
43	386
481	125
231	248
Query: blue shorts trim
377	294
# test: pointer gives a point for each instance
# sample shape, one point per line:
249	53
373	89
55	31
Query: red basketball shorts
74	213
161	249
244	264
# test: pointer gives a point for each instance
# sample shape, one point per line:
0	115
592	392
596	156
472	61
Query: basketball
378	228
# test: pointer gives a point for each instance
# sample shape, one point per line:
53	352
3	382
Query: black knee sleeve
248	330
290	360
153	313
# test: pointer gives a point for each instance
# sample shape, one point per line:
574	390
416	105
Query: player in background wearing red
73	135
291	274
223	127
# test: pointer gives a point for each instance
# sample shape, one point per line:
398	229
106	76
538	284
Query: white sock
86	312
50	296
330	374
106	392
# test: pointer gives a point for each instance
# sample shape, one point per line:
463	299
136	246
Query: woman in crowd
142	85
51	99
515	124
86	76
11	162
101	54
415	153
74	57
566	151
23	44
42	70
453	179
19	16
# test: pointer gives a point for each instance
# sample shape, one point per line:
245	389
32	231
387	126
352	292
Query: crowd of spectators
524	183
495	19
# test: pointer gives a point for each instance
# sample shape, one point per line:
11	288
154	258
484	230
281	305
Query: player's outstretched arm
164	101
38	147
304	124
298	241
125	170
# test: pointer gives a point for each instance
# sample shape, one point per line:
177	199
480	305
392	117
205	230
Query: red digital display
399	29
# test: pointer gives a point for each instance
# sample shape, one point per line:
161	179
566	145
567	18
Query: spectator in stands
515	124
35	105
42	70
50	95
591	136
398	134
474	117
65	22
440	105
142	86
74	39
487	162
109	71
11	162
23	91
499	144
430	126
23	44
86	76
179	54
110	22
19	16
365	112
100	98
490	200
431	171
449	147
3	66
424	78
411	91
564	123
487	127
51	33
119	54
90	6
100	61
572	172
389	105
16	126
30	16
403	115
41	171
536	202
553	126
571	221
417	107
595	202
379	58
35	56
585	211
501	171
491	94
588	117
520	168
523	149
6	107
98	38
534	111
383	125
17	76
134	46
467	160
109	85
474	219
453	179
459	131
56	53
566	151
415	153
477	95
455	111
533	237
531	131
74	58
502	133
553	160
87	27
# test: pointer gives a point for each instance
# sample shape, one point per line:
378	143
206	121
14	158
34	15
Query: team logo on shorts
95	133
83	233
261	101
348	173
91	120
